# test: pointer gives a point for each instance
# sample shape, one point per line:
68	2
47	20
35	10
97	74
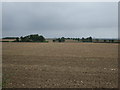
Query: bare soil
60	65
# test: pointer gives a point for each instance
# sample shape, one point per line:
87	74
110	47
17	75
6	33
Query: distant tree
59	40
41	38
21	38
78	39
26	39
97	40
112	41
83	39
32	38
89	39
68	38
105	40
62	39
75	38
53	40
17	39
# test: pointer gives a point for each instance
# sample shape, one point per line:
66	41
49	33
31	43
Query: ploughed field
60	65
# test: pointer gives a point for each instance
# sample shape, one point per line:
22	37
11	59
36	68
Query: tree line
40	38
31	38
62	39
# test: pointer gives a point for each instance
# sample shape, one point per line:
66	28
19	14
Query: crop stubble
60	65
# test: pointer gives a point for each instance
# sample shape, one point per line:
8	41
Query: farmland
60	65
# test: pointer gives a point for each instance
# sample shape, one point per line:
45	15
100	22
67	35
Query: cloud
56	19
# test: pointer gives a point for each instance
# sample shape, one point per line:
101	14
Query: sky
60	19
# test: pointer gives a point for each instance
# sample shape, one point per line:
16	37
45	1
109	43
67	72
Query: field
60	65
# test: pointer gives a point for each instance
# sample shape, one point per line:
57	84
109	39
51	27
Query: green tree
17	39
53	40
83	39
89	39
32	38
105	40
62	39
41	38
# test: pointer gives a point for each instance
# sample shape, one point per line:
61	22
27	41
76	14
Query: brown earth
60	65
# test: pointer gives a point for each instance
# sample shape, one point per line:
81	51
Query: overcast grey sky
57	19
